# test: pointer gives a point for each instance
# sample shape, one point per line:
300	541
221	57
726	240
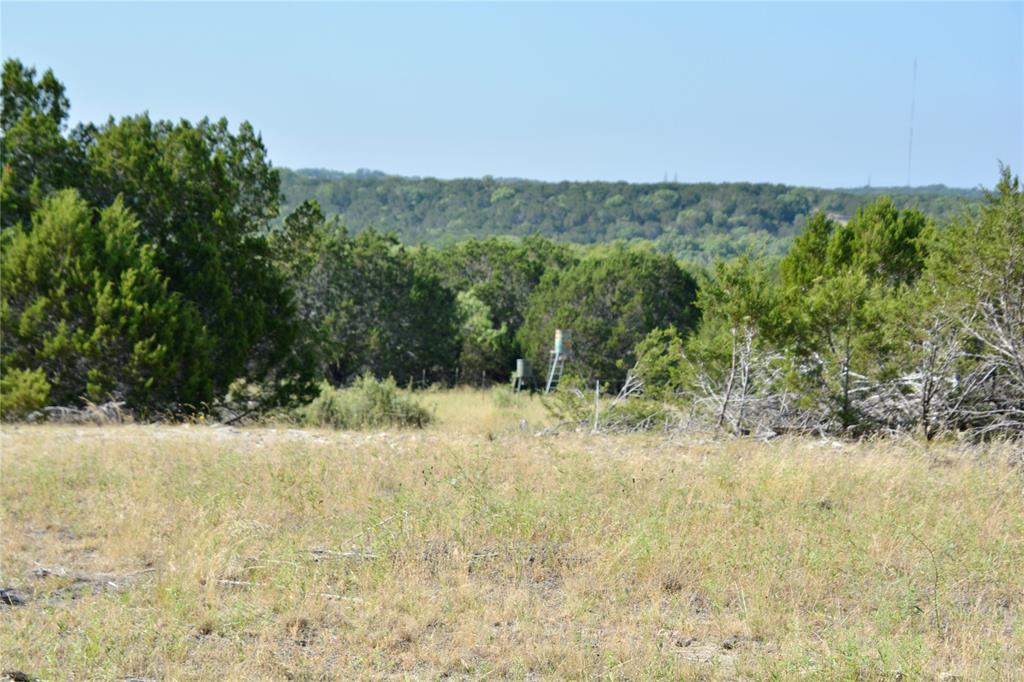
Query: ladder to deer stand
555	372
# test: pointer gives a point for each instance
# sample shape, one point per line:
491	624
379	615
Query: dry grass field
205	553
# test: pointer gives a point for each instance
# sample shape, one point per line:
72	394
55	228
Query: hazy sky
815	94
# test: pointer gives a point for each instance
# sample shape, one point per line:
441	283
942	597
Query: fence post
597	401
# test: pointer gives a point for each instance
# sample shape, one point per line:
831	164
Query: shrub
22	391
367	403
84	303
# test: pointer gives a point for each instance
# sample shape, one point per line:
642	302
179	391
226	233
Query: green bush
22	391
367	403
84	303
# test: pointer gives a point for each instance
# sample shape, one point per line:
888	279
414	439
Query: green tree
661	364
609	301
368	304
501	274
976	275
297	246
22	391
86	309
204	198
394	318
887	244
695	222
840	284
37	159
482	343
807	260
730	359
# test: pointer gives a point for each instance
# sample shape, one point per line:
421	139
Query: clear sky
813	94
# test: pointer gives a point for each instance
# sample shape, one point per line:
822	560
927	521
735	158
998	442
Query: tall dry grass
213	553
489	411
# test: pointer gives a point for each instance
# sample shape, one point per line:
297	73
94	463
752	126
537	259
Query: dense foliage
87	313
367	304
496	279
198	199
694	222
880	324
608	301
146	262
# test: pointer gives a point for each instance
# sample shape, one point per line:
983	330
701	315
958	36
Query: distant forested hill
696	222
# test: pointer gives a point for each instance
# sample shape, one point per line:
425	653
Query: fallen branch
320	553
249	583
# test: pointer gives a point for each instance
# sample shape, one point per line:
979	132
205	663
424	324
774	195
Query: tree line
695	222
150	262
886	323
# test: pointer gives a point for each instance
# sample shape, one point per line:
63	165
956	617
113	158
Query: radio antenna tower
910	141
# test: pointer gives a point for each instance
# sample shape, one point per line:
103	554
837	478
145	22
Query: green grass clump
367	403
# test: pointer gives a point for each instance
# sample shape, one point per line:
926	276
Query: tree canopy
149	262
200	198
85	304
695	222
608	301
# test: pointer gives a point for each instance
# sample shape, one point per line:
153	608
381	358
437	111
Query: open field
196	552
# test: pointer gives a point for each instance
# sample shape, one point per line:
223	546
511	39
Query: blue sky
814	94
